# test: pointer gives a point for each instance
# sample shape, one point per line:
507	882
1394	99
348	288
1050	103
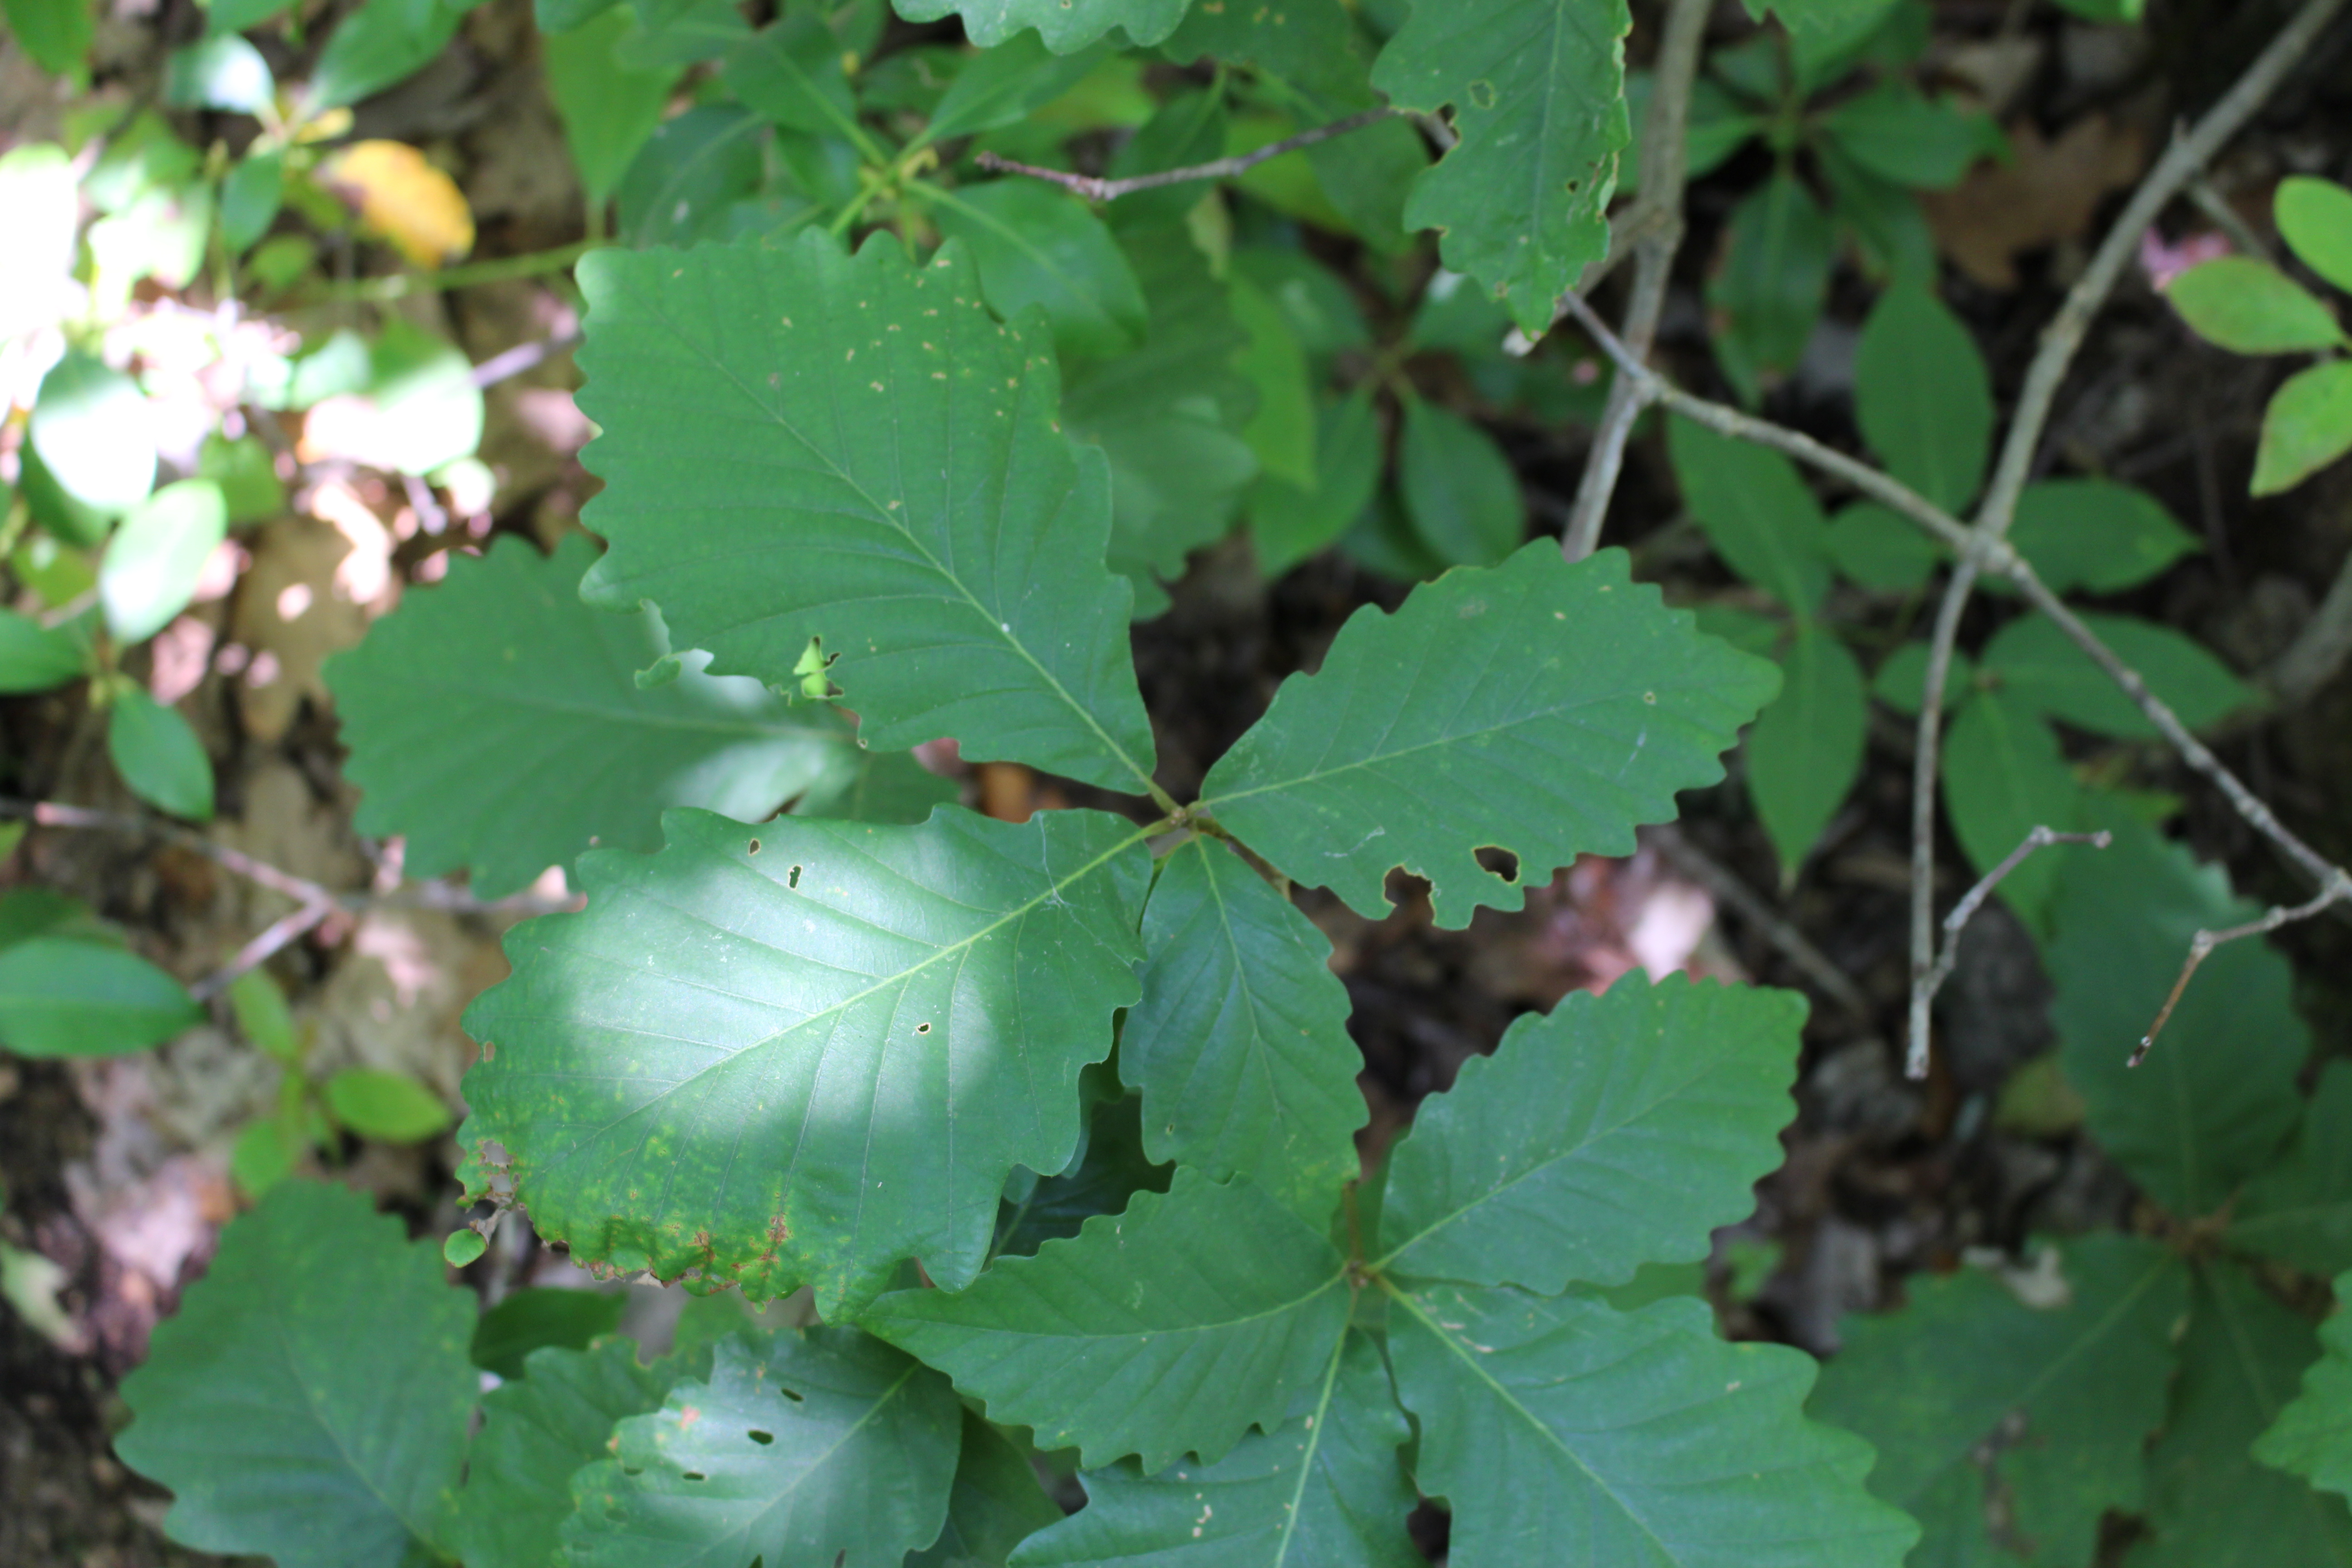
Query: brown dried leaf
2048	193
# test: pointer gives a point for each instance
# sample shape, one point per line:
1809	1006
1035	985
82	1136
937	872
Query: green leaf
35	659
1282	432
609	106
1804	752
1309	43
62	997
685	32
1065	26
1036	245
2299	1211
154	558
1923	395
537	1317
256	1408
1540	708
389	1106
1109	1172
1621	1129
158	755
1814	17
1167	417
946	540
1538	91
263	1018
2096	536
2210	1505
1774	279
2315	217
382	43
57	34
29	911
95	436
1880	549
996	1504
791	73
840	1054
2035	1414
555	1415
2003	777
2307	426
1902	680
247	472
1325	1489
1756	511
222	71
2037	666
686	178
502	657
1288	523
824	1446
236	15
1171	1328
39	191
2216	1097
1003	85
1459	491
1898	133
1240	1044
2313	1435
2249	307
1639	1437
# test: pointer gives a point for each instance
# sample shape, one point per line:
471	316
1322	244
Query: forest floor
115	1171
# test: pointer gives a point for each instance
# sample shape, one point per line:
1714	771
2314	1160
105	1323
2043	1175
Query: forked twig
1923	987
1095	188
2201	946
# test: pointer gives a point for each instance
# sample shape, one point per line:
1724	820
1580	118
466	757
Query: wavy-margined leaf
1619	1131
1036	245
538	1430
1170	1328
817	1445
798	444
2210	1504
1805	750
1538	91
1064	24
2299	1210
1324	1490
503	659
2039	669
309	1401
539	1317
1310	44
2216	1097
803	1052
1537	706
2313	1435
996	1503
1970	1395
1240	1045
1109	1172
1566	1431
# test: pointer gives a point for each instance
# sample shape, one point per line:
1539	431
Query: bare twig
1923	990
524	357
1096	189
1728	888
277	934
2338	890
2182	163
1663	165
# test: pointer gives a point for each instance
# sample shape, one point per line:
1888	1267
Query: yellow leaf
403	198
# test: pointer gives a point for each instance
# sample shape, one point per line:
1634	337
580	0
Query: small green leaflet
1756	510
1538	91
2249	307
63	996
1537	706
797	443
1923	395
2313	1436
2003	776
1064	24
266	1405
803	1052
502	659
2307	426
1240	1044
1625	1438
819	1447
2216	1097
2299	1210
555	1415
1036	245
1621	1129
1805	749
2036	666
2062	1397
1169	1330
1324	1490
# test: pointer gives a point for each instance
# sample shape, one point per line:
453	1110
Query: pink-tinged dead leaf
180	654
551	415
2164	261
